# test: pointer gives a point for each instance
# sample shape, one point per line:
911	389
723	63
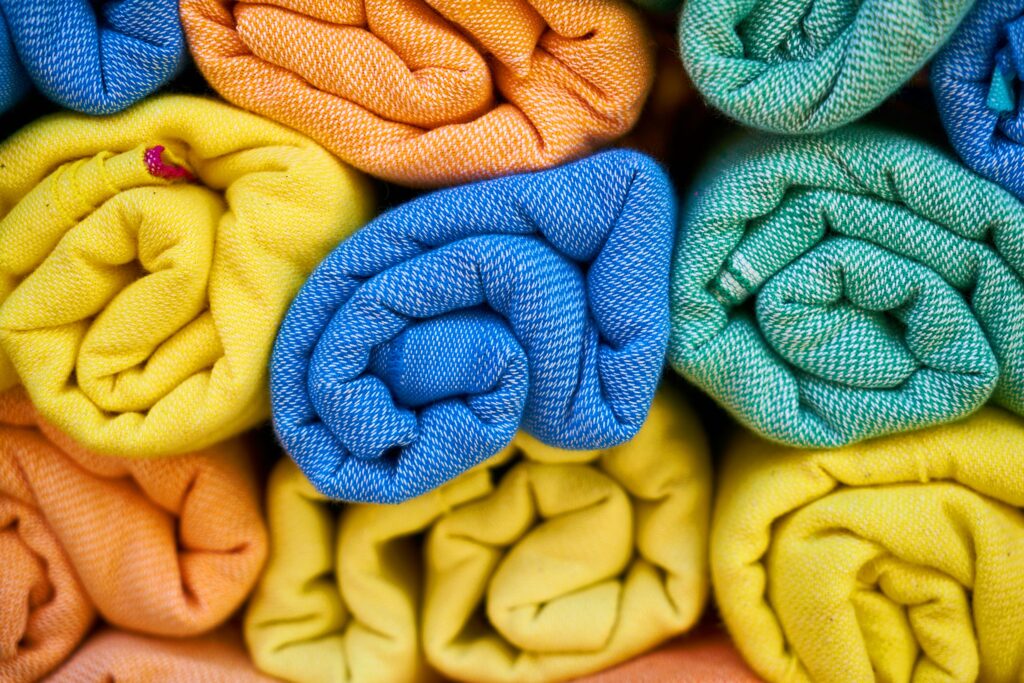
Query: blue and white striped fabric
976	80
421	344
96	58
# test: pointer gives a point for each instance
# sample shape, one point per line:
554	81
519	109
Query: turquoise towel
797	66
828	289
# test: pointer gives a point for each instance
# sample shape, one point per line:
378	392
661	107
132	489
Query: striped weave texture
420	345
804	66
541	565
93	57
432	92
976	79
830	289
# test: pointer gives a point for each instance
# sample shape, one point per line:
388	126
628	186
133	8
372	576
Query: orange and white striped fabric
168	547
432	92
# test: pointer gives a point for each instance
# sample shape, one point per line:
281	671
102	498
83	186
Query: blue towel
92	57
976	81
421	344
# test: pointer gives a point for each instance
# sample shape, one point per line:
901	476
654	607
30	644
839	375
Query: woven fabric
169	547
541	565
802	66
824	293
420	345
93	57
146	261
112	655
896	560
431	92
706	657
975	79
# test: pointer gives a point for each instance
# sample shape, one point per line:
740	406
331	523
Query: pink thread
161	169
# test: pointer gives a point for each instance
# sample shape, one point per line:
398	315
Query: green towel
797	66
827	289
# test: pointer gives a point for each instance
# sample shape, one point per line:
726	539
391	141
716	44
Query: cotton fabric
541	565
805	66
976	80
167	547
146	261
421	344
912	545
824	293
431	92
93	57
113	655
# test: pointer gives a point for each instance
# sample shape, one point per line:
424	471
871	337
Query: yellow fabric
539	565
898	559
139	311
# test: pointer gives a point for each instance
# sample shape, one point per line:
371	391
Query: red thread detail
161	169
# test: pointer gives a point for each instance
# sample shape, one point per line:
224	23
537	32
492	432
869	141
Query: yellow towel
897	559
146	260
539	565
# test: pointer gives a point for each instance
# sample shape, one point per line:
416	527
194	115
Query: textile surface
111	656
912	544
146	261
431	92
803	66
93	57
976	81
419	346
824	294
541	565
169	547
707	656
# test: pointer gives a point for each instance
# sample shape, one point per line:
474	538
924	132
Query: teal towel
798	66
827	289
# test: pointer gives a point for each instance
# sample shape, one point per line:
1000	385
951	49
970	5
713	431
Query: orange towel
706	657
170	547
431	92
117	656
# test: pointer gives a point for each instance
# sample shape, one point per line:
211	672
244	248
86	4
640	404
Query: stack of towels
389	341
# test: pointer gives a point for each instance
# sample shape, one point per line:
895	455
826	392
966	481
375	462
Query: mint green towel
801	66
827	289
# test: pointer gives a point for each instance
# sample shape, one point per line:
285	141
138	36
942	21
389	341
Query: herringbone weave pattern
830	289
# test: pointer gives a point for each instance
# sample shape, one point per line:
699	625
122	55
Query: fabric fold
976	81
112	655
146	261
824	293
168	547
540	565
912	542
807	66
93	57
432	92
419	346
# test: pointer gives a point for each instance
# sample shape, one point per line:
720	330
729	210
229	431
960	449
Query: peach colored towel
431	92
112	655
169	547
706	657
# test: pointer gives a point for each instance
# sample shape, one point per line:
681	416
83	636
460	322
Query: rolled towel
169	547
540	565
897	559
113	655
976	81
146	261
419	345
431	92
804	66
93	57
830	289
